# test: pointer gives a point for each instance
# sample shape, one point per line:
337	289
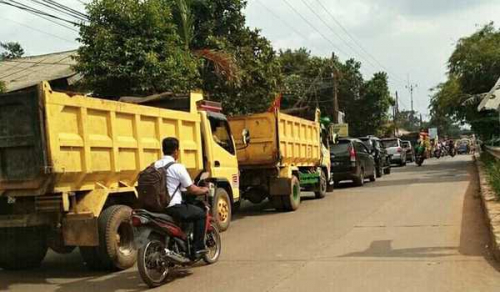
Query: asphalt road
418	229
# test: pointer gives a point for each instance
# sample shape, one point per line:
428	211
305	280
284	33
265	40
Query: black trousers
193	214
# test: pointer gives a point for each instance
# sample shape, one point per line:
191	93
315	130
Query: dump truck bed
277	139
55	142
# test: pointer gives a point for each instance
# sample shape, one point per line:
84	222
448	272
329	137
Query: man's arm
187	183
196	190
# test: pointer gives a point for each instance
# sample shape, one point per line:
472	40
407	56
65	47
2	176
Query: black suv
382	158
351	160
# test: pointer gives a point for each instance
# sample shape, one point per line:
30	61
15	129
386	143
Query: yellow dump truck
285	155
69	164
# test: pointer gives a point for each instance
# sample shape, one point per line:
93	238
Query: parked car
382	159
410	151
351	160
463	149
395	149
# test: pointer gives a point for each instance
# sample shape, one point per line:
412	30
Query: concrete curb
491	207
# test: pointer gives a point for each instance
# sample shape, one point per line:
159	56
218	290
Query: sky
411	40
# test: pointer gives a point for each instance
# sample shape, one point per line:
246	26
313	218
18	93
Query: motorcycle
452	151
165	243
420	155
437	153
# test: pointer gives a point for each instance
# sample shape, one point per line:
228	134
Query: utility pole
421	121
335	76
396	115
411	88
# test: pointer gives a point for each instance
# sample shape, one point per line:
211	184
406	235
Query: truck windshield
221	133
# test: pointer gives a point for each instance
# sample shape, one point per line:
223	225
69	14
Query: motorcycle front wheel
152	265
213	244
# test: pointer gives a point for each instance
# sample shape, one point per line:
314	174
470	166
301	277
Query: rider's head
170	147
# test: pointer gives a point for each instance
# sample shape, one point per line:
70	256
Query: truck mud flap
280	187
80	230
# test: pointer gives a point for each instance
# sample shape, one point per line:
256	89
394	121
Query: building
25	72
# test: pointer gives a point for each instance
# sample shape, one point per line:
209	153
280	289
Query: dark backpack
152	188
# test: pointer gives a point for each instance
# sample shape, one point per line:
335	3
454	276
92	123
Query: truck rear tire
116	250
292	201
221	209
22	248
322	187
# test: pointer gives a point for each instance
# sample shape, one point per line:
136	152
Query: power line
282	20
34	10
314	28
60	10
45	18
36	29
336	34
356	42
67	8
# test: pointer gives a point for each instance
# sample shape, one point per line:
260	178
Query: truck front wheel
322	187
22	248
221	209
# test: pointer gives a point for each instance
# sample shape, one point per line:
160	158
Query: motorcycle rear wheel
214	245
152	265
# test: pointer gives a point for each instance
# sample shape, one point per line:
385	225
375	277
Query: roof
28	71
492	99
369	138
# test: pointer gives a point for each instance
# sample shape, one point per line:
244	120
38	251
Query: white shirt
176	174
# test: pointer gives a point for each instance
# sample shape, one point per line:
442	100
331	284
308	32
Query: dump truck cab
69	166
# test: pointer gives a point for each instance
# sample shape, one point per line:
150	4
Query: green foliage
408	120
12	50
2	87
473	68
308	81
136	47
492	169
220	25
132	47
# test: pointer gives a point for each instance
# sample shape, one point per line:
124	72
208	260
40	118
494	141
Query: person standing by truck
178	178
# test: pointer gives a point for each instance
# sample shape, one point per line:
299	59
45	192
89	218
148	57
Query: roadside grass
492	169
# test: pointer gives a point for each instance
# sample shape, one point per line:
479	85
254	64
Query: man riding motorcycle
422	149
178	179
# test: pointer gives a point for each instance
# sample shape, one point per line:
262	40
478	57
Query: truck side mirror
245	136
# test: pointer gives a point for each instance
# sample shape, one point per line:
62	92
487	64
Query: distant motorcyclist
451	147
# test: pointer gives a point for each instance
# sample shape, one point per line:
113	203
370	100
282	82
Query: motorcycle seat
161	216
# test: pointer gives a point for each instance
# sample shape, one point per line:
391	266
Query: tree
12	50
373	107
309	82
473	68
408	120
132	47
220	26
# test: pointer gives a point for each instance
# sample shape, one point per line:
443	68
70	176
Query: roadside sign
433	133
342	130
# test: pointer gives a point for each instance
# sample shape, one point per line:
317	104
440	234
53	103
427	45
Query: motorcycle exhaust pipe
176	258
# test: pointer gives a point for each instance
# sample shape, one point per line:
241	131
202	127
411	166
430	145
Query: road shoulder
491	207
